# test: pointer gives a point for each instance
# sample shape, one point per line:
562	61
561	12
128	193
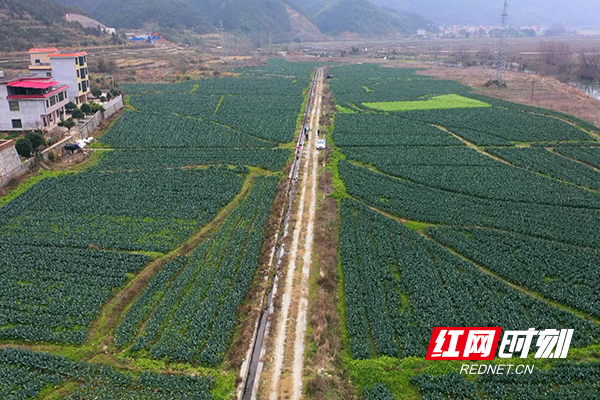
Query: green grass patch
52	392
417	226
344	110
218	107
339	188
445	102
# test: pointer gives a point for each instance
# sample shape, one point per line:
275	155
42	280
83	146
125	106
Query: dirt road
283	362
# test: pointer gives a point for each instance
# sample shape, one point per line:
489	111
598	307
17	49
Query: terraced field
477	213
124	279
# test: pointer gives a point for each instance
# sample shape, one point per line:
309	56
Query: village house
29	102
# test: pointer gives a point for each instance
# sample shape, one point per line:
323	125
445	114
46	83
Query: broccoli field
124	279
148	271
462	214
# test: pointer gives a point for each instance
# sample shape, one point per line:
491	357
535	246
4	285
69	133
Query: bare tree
462	56
589	64
436	51
556	59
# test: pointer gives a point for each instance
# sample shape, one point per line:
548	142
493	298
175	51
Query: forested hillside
364	17
23	22
266	18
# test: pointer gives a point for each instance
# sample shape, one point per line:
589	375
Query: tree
96	91
78	114
462	56
589	64
23	147
95	107
35	138
104	66
70	106
68	123
86	109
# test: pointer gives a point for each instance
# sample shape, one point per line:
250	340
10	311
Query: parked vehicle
321	144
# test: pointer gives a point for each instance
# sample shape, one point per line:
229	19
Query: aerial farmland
218	251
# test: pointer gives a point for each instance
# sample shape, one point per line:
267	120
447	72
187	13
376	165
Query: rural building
39	63
68	68
72	69
31	103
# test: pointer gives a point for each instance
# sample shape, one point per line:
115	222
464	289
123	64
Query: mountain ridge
572	13
270	18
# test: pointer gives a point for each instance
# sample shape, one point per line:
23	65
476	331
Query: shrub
95	107
35	138
78	114
68	123
23	147
96	91
85	108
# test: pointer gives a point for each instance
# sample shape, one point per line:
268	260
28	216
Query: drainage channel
250	383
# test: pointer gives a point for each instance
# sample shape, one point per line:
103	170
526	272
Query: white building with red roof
31	103
70	68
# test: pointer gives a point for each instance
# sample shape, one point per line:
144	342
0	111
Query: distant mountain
364	17
275	20
571	13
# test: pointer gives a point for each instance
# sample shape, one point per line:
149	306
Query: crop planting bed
189	312
73	241
462	216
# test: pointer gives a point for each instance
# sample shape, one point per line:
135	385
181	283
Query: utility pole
429	45
532	89
501	48
223	42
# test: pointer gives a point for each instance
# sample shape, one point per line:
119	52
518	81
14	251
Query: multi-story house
72	69
39	64
28	102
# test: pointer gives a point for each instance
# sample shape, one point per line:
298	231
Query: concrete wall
110	108
10	162
90	125
113	106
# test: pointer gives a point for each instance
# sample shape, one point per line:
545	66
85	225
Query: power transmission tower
223	41
501	48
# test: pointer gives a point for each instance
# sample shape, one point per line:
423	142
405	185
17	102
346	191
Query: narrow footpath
280	367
